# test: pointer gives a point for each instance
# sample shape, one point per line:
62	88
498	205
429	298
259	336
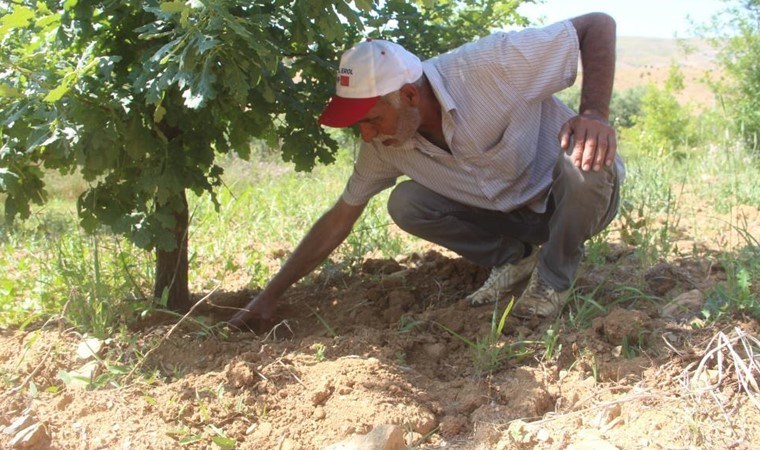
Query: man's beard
408	122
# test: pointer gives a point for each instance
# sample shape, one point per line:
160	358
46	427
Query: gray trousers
581	204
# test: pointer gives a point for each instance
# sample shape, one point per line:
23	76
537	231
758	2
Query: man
481	137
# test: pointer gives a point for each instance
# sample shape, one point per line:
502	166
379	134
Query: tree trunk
172	267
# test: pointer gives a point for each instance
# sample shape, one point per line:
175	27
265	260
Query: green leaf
173	7
224	442
19	18
364	5
190	439
159	114
57	93
68	5
268	94
9	92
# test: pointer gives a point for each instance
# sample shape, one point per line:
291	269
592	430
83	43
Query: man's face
389	124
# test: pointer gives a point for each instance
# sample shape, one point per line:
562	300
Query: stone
608	415
83	376
435	351
382	437
34	436
588	440
18	423
324	392
686	304
289	444
89	348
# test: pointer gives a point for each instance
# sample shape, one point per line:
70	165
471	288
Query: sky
642	18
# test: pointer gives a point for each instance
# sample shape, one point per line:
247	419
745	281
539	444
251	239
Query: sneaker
539	299
503	279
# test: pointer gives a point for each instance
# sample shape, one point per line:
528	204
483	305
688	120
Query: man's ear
410	95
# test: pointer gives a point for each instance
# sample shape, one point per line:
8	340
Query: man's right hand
329	231
259	311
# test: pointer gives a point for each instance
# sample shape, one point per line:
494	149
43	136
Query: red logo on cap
344	80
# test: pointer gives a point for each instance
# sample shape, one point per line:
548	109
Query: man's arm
327	233
595	140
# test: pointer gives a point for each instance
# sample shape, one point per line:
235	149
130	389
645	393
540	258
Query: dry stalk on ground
729	359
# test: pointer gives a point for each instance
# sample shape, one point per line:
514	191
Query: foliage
143	96
664	126
440	26
625	106
140	95
740	293
739	55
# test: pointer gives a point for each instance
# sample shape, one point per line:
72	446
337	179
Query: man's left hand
595	141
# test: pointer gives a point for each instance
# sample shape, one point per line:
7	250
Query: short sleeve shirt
500	121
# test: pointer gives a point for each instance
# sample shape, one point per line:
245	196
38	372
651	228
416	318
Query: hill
647	60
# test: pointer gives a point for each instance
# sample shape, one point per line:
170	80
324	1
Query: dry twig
734	354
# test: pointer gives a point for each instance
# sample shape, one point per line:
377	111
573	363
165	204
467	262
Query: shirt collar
436	82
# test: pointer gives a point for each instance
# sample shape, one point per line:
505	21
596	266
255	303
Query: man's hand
258	311
330	231
595	141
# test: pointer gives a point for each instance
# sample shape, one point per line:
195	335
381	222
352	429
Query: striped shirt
500	121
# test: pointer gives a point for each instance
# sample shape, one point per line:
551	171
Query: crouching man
501	172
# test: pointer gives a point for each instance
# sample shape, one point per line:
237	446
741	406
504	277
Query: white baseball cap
369	70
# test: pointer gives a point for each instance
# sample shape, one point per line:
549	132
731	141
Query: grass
99	281
676	203
490	352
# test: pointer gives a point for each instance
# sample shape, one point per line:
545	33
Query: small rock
319	413
34	436
543	435
686	304
323	393
344	390
425	424
18	423
412	438
289	444
590	440
83	376
382	437
452	426
607	415
435	351
263	430
89	348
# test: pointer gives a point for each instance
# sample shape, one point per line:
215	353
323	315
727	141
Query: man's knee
401	205
578	186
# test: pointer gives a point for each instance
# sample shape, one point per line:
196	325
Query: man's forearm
324	237
596	36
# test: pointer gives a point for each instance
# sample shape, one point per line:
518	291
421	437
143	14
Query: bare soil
387	345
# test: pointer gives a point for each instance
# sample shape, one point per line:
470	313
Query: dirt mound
393	344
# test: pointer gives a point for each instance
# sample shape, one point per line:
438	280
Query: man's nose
367	131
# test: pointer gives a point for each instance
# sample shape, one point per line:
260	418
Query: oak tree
141	97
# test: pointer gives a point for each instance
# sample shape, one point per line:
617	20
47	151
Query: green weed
551	343
490	352
328	328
